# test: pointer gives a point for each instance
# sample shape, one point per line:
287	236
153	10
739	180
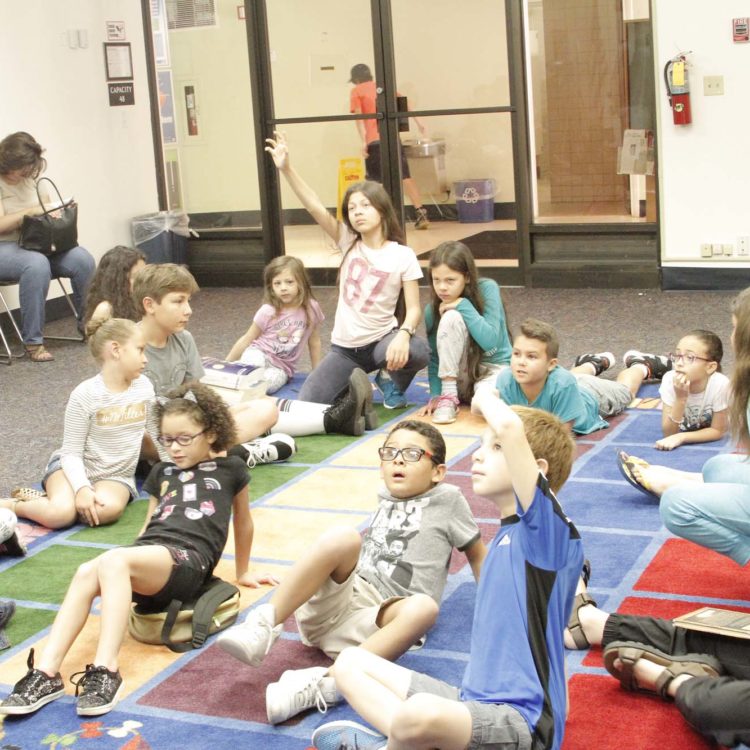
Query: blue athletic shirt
560	396
523	603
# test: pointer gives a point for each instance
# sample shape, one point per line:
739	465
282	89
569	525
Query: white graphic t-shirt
700	407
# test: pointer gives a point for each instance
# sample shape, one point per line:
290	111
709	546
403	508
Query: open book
234	375
713	620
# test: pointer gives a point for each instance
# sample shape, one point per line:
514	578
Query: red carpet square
216	684
681	567
605	717
666	608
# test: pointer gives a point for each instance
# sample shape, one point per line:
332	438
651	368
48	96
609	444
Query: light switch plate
713	85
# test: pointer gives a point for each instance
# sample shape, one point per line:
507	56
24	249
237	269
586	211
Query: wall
704	185
101	155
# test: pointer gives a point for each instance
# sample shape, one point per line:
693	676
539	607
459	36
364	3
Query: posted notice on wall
636	155
121	94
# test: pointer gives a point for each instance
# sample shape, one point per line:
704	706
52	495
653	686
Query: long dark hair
111	283
458	258
741	373
392	231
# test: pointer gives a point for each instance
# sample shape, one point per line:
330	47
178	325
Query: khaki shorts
341	614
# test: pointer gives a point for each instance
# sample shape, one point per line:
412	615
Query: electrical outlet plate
706	250
727	250
743	246
713	85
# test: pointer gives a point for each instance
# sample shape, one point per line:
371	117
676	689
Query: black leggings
718	708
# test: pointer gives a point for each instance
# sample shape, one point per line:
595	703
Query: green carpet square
45	577
123	532
26	622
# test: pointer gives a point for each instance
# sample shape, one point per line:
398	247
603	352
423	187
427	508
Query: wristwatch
411	331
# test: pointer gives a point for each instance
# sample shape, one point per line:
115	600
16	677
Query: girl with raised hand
110	293
376	270
91	478
467	331
193	497
288	319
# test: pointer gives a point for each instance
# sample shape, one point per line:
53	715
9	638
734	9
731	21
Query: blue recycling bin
162	237
475	200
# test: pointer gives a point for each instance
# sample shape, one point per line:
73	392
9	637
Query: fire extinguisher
678	89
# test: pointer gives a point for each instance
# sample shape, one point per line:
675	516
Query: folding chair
9	356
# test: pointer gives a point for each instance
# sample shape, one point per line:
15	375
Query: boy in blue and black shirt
514	690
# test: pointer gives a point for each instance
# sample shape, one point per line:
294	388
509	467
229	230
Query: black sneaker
601	361
97	690
32	691
266	450
346	415
656	364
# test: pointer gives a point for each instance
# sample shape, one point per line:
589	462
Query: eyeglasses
688	359
167	440
411	455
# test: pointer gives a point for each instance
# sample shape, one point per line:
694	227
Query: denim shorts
188	574
494	726
55	464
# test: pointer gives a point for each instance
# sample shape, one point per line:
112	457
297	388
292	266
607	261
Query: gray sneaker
252	640
34	690
97	690
422	221
299	690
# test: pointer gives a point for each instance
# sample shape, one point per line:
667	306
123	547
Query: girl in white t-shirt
694	393
377	270
91	478
288	319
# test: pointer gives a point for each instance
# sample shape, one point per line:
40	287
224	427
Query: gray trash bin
162	236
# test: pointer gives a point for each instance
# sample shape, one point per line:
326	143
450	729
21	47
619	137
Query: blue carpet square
456	617
611	555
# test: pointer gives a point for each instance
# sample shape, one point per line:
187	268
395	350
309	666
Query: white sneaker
298	690
252	640
266	450
446	410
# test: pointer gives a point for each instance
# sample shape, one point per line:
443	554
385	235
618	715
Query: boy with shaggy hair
514	692
579	397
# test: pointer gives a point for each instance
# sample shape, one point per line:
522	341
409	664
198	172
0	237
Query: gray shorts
55	464
494	726
613	397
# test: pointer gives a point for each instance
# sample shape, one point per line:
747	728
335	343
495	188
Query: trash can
162	236
475	200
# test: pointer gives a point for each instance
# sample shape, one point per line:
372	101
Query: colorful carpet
205	698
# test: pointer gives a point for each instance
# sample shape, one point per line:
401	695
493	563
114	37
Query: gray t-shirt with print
173	364
407	548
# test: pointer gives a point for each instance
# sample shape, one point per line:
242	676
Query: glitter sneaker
34	690
97	690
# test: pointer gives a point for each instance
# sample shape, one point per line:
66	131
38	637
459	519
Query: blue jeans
715	514
33	272
331	376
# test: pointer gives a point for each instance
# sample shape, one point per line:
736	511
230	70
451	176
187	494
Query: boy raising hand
514	688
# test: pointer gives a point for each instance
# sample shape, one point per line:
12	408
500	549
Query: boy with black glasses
372	592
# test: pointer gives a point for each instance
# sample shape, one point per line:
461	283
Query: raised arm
279	150
510	434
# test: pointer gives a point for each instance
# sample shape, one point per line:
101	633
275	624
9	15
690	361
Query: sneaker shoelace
311	694
259	453
441	401
92	681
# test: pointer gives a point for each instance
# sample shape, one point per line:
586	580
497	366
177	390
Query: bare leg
113	497
334	555
254	418
660	478
592	621
412	191
56	511
632	377
401	624
377	690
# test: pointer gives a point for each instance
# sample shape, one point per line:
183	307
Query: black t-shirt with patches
195	505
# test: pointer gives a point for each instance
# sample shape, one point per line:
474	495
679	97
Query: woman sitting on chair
21	163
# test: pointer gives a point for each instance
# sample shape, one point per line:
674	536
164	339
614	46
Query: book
714	620
234	375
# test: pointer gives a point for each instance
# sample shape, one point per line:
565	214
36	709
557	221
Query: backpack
186	625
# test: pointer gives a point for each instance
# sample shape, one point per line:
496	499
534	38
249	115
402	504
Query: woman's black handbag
54	231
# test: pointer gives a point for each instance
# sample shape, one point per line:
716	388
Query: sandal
22	494
627	465
628	653
37	353
574	624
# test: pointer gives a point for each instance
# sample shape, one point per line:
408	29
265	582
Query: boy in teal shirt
578	397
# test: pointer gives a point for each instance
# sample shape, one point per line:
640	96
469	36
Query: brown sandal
37	353
628	653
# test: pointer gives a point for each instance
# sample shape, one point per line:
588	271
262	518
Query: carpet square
605	717
707	574
609	504
604	433
453	627
124	531
480	506
266	478
611	554
684	458
282	534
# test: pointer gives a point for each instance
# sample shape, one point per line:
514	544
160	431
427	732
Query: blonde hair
738	403
159	279
120	330
551	440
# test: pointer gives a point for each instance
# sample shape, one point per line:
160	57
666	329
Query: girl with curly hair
110	291
192	498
